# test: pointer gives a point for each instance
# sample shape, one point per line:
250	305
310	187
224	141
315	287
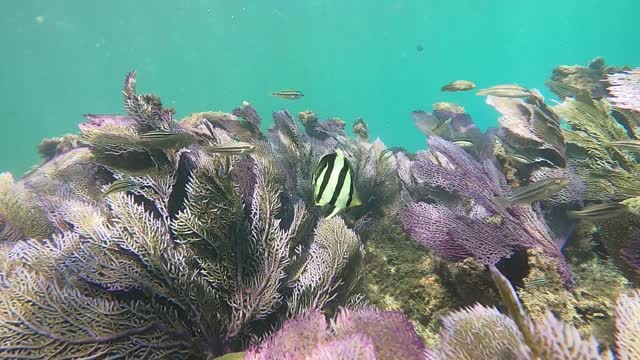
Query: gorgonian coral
466	220
360	334
197	254
477	332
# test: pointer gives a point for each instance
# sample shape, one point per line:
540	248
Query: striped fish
538	190
288	94
118	186
165	139
599	211
234	148
333	183
507	90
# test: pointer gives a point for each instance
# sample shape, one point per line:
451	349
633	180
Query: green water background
351	58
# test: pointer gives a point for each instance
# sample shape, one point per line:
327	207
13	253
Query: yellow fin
355	200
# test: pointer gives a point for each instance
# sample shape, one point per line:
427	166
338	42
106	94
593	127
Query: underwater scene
320	179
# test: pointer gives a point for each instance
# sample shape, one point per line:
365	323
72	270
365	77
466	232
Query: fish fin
355	200
335	212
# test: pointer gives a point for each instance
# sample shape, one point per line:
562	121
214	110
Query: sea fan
185	262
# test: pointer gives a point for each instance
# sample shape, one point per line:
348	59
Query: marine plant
476	332
144	244
462	219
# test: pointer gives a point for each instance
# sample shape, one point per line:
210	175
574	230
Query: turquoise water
66	58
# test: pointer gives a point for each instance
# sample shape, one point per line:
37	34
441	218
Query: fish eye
558	181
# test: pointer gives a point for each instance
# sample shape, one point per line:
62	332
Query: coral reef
361	334
477	332
200	254
470	223
140	238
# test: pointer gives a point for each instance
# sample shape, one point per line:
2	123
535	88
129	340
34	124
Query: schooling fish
508	90
118	186
599	211
234	148
458	85
538	190
288	94
333	183
629	145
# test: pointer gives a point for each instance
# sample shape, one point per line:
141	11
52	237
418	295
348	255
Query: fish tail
355	200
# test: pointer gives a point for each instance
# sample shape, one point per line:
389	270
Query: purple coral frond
248	113
393	334
473	225
430	225
295	338
355	346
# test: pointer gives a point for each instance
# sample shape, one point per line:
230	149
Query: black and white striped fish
333	183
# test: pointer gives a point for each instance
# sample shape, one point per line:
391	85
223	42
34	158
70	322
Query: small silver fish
629	145
289	94
599	211
232	148
463	142
538	190
508	90
118	186
458	85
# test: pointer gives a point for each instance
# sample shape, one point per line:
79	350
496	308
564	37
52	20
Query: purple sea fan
472	224
393	334
354	334
447	167
295	338
248	113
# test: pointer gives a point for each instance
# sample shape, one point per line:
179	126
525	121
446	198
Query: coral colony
145	237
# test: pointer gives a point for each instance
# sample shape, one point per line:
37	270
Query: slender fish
333	183
118	186
538	190
288	94
599	211
165	139
629	145
463	142
508	90
458	85
234	148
